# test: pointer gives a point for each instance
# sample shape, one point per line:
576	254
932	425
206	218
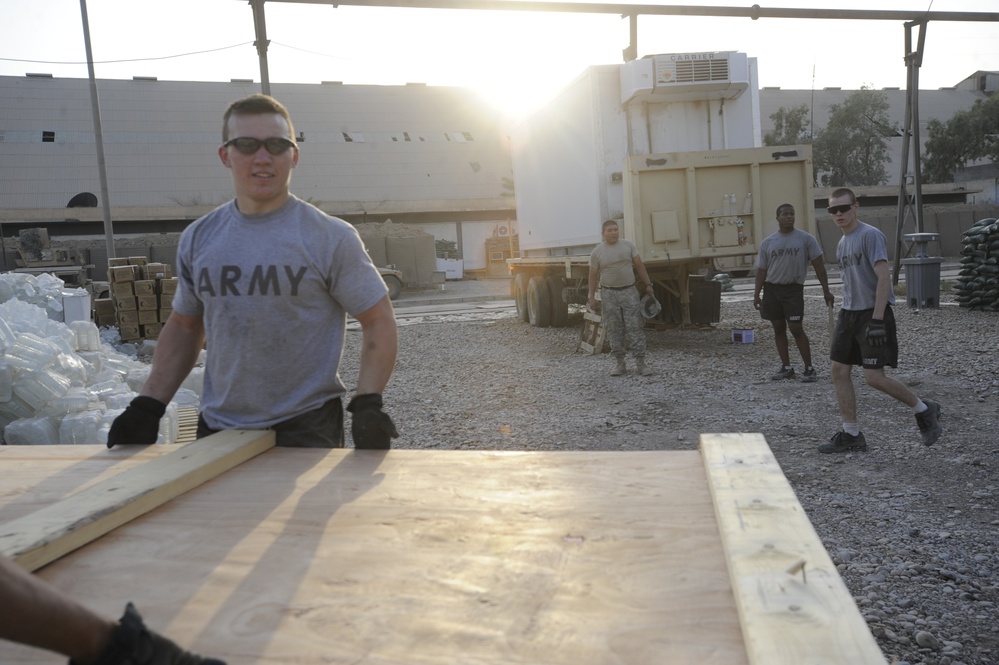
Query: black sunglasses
835	210
249	146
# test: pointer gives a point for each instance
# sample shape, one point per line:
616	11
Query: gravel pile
911	529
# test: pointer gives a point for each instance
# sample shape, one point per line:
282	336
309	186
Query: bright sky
517	59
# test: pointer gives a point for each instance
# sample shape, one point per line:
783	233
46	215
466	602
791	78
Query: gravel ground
911	529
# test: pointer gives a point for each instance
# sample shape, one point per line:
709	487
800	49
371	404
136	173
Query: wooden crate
151	330
145	287
123	289
593	337
167	286
126	304
431	556
125	273
128	317
148	316
149	303
129	332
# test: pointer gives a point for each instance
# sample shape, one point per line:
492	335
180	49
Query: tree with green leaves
852	149
790	127
968	136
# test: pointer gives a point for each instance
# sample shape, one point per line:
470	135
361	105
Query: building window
48	137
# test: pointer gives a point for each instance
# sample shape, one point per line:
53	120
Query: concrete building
433	156
437	157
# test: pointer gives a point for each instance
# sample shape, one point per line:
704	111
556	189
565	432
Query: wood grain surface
309	556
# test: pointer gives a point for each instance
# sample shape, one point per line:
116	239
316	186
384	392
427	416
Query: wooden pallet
187	418
593	337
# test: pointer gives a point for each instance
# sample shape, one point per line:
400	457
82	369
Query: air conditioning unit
685	77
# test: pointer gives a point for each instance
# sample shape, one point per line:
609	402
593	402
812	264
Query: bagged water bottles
88	337
80	428
41	430
6	382
38	387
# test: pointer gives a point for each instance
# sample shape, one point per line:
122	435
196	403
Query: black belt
618	288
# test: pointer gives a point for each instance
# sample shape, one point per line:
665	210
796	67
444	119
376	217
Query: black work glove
371	427
139	423
876	333
134	644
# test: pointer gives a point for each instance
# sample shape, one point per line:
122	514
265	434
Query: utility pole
98	134
260	28
910	186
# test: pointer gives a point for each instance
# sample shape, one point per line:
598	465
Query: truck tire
394	286
539	308
520	296
559	307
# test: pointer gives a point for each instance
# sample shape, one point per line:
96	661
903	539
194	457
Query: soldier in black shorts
781	267
865	330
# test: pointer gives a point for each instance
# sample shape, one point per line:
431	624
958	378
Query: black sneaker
841	442
783	373
808	376
929	422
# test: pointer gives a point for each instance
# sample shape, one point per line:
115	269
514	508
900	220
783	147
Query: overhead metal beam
754	12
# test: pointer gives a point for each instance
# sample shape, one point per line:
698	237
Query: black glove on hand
876	333
140	423
134	644
371	427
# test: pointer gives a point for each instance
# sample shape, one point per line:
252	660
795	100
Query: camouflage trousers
621	317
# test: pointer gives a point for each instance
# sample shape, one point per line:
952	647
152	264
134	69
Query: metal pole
631	53
98	134
260	29
910	201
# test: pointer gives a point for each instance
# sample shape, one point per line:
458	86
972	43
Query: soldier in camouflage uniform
613	265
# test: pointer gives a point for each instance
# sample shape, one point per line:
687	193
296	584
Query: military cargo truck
668	146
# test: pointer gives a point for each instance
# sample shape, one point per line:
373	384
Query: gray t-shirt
786	256
857	252
274	292
615	263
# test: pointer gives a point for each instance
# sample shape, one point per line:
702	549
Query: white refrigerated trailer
669	146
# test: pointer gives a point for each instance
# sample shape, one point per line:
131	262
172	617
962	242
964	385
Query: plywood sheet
309	556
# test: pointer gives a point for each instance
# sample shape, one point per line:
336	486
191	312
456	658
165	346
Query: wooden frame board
793	605
48	533
309	556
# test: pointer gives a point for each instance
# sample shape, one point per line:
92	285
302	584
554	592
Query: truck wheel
520	296
539	308
559	307
394	286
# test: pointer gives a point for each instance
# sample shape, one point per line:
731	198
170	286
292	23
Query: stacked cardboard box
141	297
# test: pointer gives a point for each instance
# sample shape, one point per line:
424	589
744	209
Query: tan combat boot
619	369
641	368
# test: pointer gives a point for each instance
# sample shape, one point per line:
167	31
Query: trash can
922	274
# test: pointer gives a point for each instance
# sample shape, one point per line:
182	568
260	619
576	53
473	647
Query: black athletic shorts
849	343
783	302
